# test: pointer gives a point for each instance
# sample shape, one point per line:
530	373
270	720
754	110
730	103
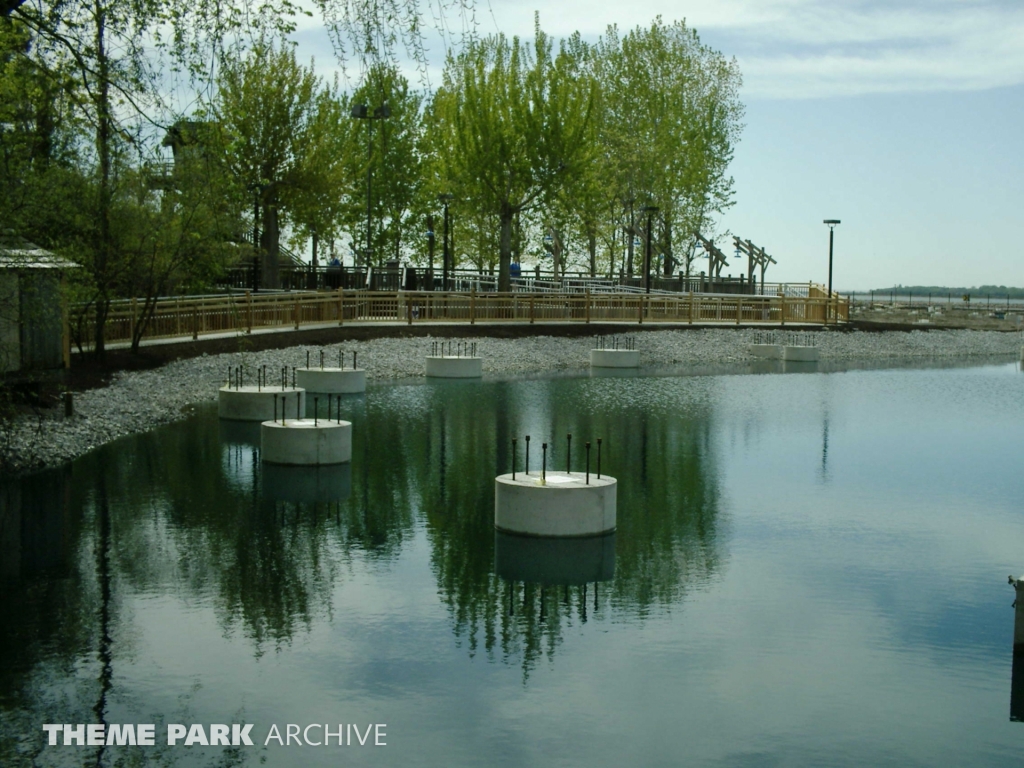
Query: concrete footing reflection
613	373
307	485
245	433
1017	688
783	366
550	561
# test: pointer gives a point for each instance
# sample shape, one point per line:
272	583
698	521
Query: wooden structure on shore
246	313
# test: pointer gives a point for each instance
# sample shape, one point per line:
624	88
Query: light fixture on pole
832	223
651	210
430	246
445	198
362	112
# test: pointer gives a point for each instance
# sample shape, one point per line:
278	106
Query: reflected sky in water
808	570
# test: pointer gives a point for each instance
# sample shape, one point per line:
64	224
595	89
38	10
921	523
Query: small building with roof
34	333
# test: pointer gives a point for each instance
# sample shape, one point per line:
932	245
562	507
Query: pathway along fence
245	313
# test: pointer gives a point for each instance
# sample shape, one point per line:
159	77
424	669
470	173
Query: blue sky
904	119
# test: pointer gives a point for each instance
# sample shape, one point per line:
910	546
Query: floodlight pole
362	112
445	198
831	237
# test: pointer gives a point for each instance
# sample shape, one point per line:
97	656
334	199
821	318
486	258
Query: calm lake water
808	570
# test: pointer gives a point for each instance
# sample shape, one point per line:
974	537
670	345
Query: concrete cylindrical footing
564	506
615	358
306	485
306	443
454	367
253	404
800	354
332	381
768	351
550	561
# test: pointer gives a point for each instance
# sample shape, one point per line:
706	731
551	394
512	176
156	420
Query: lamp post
362	112
445	198
430	246
651	210
832	223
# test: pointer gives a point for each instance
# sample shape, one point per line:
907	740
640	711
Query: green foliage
391	148
284	138
511	126
575	145
669	122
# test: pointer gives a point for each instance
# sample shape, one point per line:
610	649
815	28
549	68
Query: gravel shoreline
137	401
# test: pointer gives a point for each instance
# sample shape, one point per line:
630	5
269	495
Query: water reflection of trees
657	443
192	513
199	510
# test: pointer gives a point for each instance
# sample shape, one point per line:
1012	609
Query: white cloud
785	48
811	48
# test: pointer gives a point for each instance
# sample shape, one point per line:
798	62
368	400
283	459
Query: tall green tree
516	119
670	121
279	124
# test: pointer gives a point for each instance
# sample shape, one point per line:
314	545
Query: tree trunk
270	239
592	248
103	152
505	252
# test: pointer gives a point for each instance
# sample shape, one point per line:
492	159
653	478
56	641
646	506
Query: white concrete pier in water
332	381
306	442
558	504
615	358
250	403
447	367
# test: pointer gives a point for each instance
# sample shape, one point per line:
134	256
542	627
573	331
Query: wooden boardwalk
177	318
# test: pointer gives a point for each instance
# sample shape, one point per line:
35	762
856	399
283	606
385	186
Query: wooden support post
782	308
588	304
531	309
640	304
248	312
134	318
691	307
408	309
472	306
65	323
298	309
195	322
341	306
739	309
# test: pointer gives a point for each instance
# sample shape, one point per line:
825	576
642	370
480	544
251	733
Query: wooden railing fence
244	313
